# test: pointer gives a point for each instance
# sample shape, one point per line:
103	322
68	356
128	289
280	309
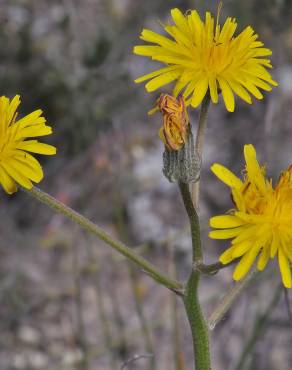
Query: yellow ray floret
202	57
260	226
17	166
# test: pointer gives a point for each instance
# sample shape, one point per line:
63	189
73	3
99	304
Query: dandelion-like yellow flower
17	166
204	57
261	223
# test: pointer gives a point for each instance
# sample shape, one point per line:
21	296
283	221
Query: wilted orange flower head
175	121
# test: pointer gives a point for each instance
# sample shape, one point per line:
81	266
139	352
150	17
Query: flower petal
241	248
7	182
14	173
227	256
162	80
35	147
226	234
264	258
199	92
227	93
225	222
245	264
155	74
285	269
255	173
225	175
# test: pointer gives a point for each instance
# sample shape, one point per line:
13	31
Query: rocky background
66	300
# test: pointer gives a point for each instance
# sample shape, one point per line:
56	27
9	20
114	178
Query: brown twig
258	329
227	301
213	268
288	306
134	359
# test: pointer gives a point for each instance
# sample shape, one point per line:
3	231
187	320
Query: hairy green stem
199	145
199	329
194	222
88	225
198	324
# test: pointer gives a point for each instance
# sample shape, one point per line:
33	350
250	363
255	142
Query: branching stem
211	269
88	225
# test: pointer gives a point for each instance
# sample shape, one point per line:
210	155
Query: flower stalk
198	324
193	309
89	226
199	145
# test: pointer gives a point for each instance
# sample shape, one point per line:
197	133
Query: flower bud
181	163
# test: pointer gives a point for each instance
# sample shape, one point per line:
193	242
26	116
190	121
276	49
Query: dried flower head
202	56
175	127
17	166
261	223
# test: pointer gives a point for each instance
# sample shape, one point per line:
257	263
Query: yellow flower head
174	131
17	166
261	223
202	57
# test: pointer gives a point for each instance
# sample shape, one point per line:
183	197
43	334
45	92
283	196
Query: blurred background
66	300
